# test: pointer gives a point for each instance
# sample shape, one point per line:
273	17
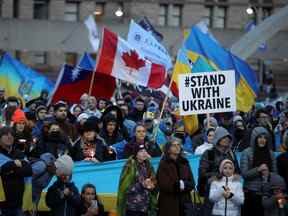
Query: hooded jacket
212	158
252	178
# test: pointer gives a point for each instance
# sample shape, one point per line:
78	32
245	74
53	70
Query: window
219	17
163	15
1	8
71	11
99	9
41	9
39	57
71	58
215	16
16	8
208	16
170	15
266	12
176	15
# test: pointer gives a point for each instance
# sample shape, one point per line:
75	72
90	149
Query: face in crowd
210	136
142	155
228	169
61	113
77	111
111	127
139	105
140	133
20	126
7	140
92	103
42	114
262	140
101	104
175	148
88	195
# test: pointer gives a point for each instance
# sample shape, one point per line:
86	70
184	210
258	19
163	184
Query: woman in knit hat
63	197
136	194
226	191
22	134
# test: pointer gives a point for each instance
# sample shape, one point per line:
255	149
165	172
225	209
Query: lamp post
252	10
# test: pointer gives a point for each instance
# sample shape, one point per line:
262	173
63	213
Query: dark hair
89	185
262	110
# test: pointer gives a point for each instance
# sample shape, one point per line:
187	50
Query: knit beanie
139	148
19	116
222	164
64	165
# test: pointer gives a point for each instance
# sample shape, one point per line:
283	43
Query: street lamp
119	12
249	10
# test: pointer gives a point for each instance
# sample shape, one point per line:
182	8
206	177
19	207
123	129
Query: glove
182	185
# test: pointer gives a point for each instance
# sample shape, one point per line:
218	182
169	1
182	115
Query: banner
207	92
150	47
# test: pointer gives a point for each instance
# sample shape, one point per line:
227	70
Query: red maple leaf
132	60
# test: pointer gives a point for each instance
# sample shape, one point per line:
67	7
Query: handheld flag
119	59
77	80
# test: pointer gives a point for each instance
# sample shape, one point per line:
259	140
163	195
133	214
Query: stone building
46	33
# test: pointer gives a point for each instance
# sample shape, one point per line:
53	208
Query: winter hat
139	148
237	118
82	116
220	133
5	130
39	108
59	104
64	165
19	116
277	182
222	164
212	120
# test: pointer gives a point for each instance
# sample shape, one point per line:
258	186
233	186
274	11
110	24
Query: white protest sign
208	92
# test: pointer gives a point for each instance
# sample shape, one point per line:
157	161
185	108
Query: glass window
219	17
39	57
266	12
208	15
41	9
163	15
99	9
71	58
16	8
71	11
175	15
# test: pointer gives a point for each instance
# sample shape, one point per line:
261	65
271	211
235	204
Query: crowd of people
242	168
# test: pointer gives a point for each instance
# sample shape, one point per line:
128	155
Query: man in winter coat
12	172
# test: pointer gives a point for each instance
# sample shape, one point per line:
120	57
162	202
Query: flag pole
91	83
162	108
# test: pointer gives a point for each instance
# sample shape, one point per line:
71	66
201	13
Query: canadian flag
119	59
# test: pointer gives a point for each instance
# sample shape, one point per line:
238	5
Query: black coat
60	204
13	179
282	166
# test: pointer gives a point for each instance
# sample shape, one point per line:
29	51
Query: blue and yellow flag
19	80
202	44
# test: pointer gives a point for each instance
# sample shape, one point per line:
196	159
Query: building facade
46	33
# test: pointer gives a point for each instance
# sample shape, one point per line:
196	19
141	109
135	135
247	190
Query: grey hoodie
220	133
252	178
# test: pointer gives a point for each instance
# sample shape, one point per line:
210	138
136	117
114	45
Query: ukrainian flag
202	44
19	80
